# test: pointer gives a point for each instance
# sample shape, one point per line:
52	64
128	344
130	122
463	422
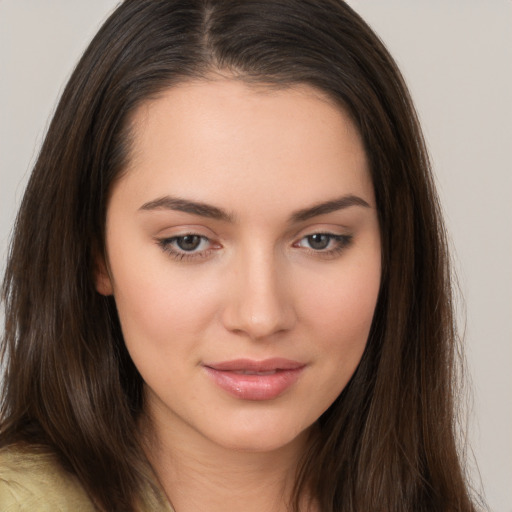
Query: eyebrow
323	208
184	205
213	212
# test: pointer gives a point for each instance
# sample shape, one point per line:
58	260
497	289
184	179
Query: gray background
457	59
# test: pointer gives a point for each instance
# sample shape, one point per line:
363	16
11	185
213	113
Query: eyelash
342	242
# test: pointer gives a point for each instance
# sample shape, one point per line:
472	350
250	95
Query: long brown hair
388	443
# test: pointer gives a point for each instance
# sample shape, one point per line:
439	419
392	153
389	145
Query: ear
102	279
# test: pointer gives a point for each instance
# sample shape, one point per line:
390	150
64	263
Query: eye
325	244
188	242
186	246
319	241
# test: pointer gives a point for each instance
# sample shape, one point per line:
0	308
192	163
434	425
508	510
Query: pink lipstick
248	379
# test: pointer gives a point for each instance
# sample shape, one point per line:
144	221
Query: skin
255	287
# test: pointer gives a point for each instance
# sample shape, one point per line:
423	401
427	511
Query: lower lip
254	387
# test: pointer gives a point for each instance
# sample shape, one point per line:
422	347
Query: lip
248	379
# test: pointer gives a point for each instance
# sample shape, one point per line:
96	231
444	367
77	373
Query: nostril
259	319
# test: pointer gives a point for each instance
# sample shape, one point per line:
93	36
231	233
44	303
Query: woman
228	284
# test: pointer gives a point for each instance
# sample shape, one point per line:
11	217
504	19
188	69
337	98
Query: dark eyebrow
327	207
187	206
213	212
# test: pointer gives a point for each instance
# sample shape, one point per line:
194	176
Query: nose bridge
260	304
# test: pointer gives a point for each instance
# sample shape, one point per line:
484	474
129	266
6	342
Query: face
243	253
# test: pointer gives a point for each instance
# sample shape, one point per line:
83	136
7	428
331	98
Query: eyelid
171	231
318	226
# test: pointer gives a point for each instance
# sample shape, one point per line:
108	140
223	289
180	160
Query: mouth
249	372
248	379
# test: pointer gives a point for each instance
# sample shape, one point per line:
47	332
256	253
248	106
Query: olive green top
33	481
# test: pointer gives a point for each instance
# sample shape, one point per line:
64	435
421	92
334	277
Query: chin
263	440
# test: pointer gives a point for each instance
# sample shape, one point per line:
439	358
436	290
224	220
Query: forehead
222	138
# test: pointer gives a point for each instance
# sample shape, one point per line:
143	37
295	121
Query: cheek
339	318
160	308
344	301
338	311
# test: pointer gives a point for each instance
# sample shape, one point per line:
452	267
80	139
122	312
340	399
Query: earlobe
102	279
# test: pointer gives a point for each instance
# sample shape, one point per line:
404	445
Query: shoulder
33	480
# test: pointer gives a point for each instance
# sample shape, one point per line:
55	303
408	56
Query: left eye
323	241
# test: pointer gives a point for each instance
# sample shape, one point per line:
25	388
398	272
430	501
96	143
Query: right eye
188	243
186	246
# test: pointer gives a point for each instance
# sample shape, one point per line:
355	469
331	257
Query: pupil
188	242
319	241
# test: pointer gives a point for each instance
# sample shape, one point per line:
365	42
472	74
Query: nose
260	302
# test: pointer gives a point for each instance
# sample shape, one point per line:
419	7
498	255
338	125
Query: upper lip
266	365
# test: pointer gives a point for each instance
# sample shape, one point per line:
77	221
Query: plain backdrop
456	57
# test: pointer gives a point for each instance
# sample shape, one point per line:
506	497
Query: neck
197	474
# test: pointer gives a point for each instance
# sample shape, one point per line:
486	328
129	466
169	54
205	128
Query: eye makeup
193	246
